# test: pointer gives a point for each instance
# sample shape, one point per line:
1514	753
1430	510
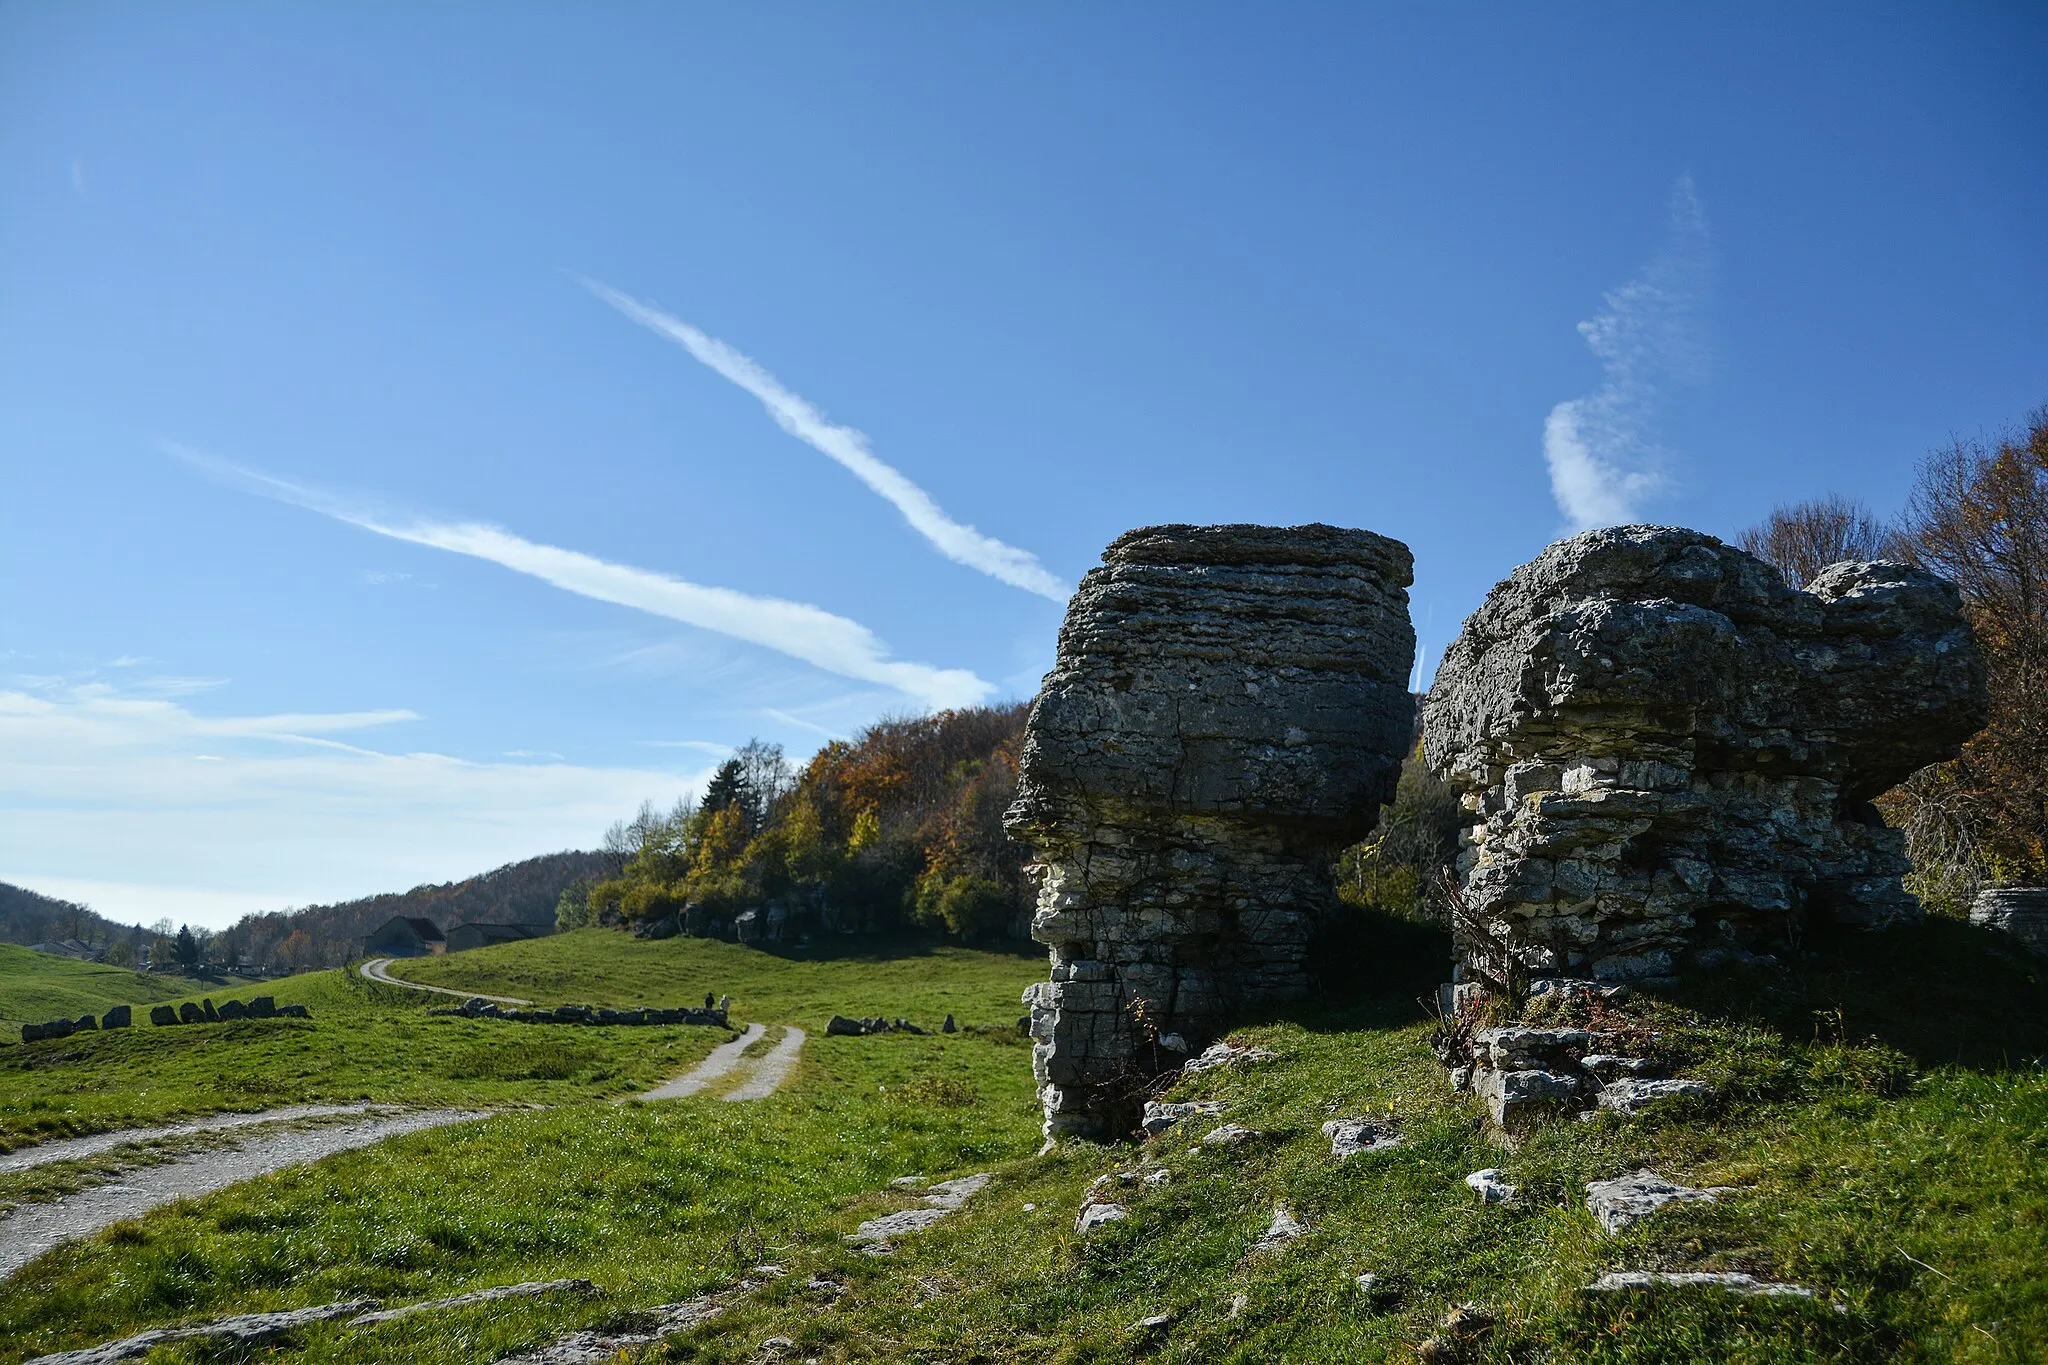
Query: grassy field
653	1201
1883	1114
35	987
909	978
1885	1119
373	1042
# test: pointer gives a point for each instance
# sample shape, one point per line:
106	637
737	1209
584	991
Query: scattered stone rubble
2021	911
1665	751
1229	708
476	1007
1623	1200
1526	1073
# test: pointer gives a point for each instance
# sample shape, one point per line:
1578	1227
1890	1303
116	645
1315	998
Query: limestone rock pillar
1229	709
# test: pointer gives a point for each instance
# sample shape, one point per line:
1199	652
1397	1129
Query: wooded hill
329	935
900	827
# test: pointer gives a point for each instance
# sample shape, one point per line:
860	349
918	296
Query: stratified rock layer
1228	709
1666	750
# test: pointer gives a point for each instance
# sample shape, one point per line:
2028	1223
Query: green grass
37	987
654	1202
909	978
373	1042
1884	1119
1882	1114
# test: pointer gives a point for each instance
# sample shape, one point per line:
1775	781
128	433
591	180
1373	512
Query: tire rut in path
772	1070
723	1059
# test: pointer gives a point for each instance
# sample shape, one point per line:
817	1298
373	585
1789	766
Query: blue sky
426	431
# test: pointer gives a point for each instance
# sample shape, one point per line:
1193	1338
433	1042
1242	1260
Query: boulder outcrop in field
1229	708
1667	752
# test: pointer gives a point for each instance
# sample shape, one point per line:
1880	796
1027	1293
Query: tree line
899	827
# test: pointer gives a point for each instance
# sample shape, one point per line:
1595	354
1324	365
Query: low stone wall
166	1016
1229	708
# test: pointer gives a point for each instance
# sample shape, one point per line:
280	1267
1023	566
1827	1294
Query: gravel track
78	1149
33	1229
723	1059
378	969
772	1070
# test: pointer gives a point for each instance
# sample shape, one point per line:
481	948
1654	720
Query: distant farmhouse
466	936
405	936
72	948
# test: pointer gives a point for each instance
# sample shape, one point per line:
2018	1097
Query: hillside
524	892
1876	1119
31	917
36	986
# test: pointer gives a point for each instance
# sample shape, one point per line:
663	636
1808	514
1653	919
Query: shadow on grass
1943	992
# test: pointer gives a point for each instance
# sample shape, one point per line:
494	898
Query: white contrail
797	629
1604	464
959	543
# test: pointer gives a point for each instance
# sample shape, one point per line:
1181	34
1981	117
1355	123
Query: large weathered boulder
1229	707
2021	911
1665	749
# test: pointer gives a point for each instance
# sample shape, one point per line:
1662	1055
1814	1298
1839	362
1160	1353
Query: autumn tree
1979	518
1800	539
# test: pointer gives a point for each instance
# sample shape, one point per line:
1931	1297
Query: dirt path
772	1070
32	1229
77	1149
723	1059
379	969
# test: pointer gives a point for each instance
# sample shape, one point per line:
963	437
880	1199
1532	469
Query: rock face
1665	750
2021	911
1228	709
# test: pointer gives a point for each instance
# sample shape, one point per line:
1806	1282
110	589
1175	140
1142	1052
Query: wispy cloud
141	806
797	629
960	543
1604	462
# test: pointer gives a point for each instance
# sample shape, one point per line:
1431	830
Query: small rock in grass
1161	1115
1239	1304
1227	1054
1349	1137
1608	1067
1094	1216
1155	1322
1491	1185
1158	1177
1285	1228
778	1346
908	1182
1229	1135
1730	1281
1631	1096
1468	1320
1624	1199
